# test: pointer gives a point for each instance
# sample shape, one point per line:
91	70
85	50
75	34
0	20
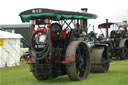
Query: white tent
9	49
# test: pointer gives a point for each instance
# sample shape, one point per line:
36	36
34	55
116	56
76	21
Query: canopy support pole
107	29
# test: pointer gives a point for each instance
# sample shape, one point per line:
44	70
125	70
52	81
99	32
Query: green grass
20	75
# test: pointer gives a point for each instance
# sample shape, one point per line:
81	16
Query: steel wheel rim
80	61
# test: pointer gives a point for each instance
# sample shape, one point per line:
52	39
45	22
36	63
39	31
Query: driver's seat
57	32
113	34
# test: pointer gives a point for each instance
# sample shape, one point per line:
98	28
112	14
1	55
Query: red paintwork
54	36
67	61
105	25
63	34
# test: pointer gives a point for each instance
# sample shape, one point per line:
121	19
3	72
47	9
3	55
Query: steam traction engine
59	45
118	39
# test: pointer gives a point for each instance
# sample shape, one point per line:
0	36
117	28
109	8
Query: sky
114	10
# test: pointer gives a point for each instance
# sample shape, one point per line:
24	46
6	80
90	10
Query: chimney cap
84	9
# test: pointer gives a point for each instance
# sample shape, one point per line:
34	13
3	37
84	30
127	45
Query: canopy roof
42	13
107	25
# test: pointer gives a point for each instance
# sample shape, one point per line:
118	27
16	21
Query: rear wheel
79	68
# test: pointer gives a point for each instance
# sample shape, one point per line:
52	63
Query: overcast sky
114	10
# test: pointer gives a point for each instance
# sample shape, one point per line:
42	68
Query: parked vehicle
118	39
60	45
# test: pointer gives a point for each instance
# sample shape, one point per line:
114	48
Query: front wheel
124	54
79	68
100	62
36	71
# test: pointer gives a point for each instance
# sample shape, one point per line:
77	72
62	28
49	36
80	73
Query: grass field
20	75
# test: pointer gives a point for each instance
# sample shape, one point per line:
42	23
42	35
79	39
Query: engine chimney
84	10
84	21
125	27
